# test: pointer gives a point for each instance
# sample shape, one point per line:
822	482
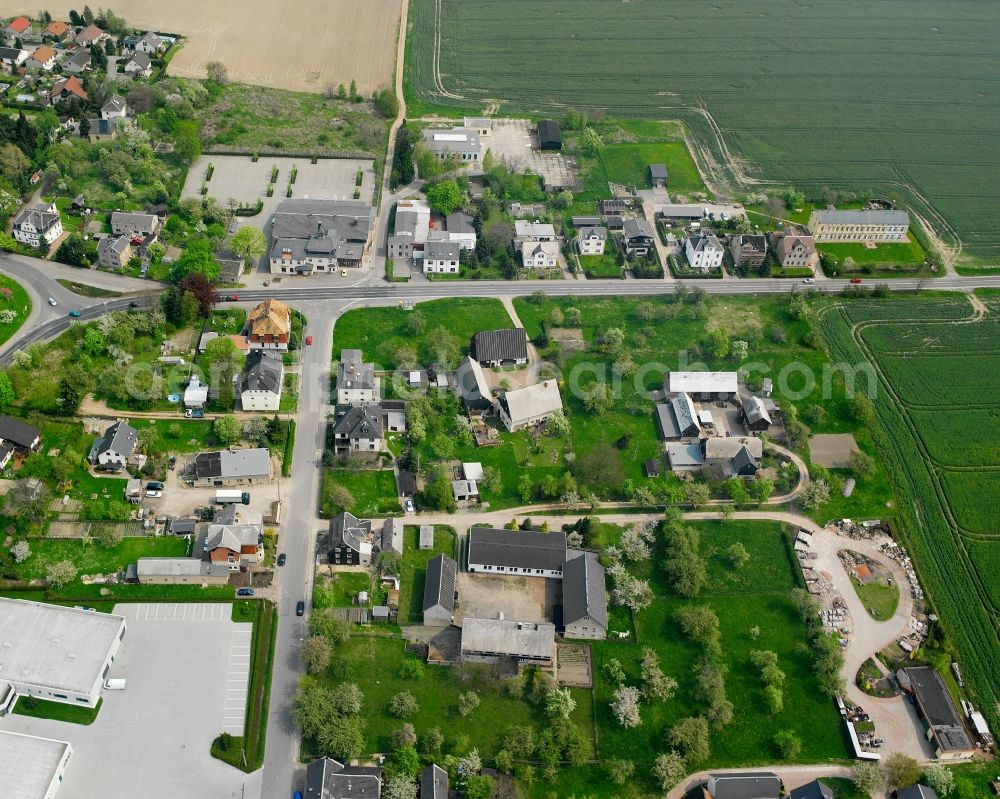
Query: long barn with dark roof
496	347
522	552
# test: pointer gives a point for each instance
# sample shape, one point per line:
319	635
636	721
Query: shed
549	137
426	536
658	175
653	467
380	613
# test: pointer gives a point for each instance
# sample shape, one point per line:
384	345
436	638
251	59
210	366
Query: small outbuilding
658	175
549	137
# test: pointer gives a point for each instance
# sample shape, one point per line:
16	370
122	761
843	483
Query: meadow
895	98
932	410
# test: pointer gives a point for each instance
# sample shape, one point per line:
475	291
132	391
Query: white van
115	685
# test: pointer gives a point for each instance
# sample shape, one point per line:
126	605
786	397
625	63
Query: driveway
186	666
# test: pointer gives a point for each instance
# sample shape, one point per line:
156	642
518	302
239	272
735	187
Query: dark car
133	304
244	592
300	608
281	559
75	314
156	485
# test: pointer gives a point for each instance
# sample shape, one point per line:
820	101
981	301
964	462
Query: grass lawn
227	321
178	435
843	788
600	266
374	492
908	253
19	303
381	332
87	291
339	590
57	711
879	600
94	559
414	569
629	164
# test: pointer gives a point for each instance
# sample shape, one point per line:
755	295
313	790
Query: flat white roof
513	638
702	382
28	765
473	471
54	647
451	137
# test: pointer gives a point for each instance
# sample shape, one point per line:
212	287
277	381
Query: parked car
408	506
153	493
297	795
244	592
281	559
133	304
156	485
855	279
300	608
75	314
52	302
309	341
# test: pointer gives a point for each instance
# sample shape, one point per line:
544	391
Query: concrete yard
187	668
514	142
518	598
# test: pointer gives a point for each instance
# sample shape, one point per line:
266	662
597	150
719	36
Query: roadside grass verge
19	303
87	291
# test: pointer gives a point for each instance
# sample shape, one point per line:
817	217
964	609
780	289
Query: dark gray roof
745	785
9	53
685	414
79	59
816	790
459	222
407	482
348	530
299	219
231	464
327	778
439	584
103	127
20	434
449	250
353	372
521	548
548	132
938	709
39	216
141	59
586	221
668	422
358	422
263	372
652	467
500	345
583	590
114	103
658	171
121	437
752	242
117	244
755	410
433	783
181	526
917	791
637	228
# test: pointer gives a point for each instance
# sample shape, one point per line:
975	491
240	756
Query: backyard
414	569
373	492
628	165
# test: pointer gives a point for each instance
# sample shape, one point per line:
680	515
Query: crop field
933	410
896	97
301	45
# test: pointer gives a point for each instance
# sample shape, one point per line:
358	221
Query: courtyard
513	141
482	596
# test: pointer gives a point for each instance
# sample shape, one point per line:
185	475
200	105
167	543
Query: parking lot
187	669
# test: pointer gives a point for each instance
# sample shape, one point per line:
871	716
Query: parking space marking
237	678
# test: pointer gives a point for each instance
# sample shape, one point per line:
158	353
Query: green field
19	303
628	164
934	407
374	492
93	559
906	254
896	99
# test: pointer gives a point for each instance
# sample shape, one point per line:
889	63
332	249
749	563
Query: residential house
56	30
43	57
90	35
17	27
433	783
269	326
462	144
150	44
685	457
261	381
549	137
585	601
441	257
102	129
357	428
357	383
591	240
180	571
17	436
820	790
658	176
678	418
733	456
115	447
319	235
230	266
638	236
702	386
138	65
458	226
195	394
518	552
392	535
795	250
38	225
412	226
471	386
327	778
348	541
492	640
755	415
78	63
703	252
867	226
236	537
539	254
743	785
498	347
116	107
748	251
529	406
945	729
533	231
135	225
231	467
13	57
114	252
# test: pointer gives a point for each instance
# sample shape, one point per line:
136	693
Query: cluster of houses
709	427
40	226
434	245
320	235
327	778
361	417
617	217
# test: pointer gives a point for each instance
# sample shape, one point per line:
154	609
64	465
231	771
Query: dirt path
92	406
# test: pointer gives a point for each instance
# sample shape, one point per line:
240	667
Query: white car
809	280
154	493
52	302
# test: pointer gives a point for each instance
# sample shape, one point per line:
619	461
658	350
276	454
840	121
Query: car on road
300	608
282	558
133	304
343	273
244	592
408	506
809	280
309	341
267	283
154	493
52	302
297	795
855	280
75	314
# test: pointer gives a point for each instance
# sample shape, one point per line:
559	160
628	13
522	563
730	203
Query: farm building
755	415
232	467
549	137
658	176
733	456
875	226
531	405
523	552
492	640
945	729
471	386
585	601
682	213
677	418
497	347
439	591
702	386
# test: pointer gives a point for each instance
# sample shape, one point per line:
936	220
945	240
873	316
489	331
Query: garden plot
832	450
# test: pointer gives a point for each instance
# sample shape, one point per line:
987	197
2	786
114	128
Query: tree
686	571
656	684
468	701
901	771
386	103
669	769
739	349
355	97
340	498
198	286
61	573
619	771
599	399
316	654
559	703
403	705
217	72
347	698
74	251
399	787
590	141
632	593
478	786
432	741
324	621
13	163
228	429
444	197
405	759
249	243
738	555
415	324
633	546
492	480
526	487
815	493
788	743
774	697
601	467
866	776
7	395
21	551
690	737
861	463
941	779
696	494
558	425
108	535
